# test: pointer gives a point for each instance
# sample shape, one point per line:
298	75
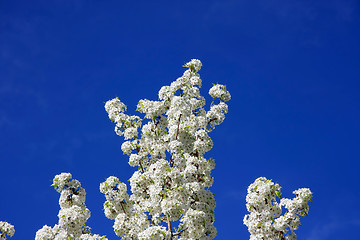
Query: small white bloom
194	65
6	229
219	91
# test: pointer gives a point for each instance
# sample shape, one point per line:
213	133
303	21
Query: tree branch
177	132
169	226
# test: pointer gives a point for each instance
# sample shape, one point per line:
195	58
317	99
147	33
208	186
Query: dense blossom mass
6	229
72	215
170	190
265	220
170	197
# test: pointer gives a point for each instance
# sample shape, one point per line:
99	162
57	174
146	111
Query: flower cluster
170	197
6	229
72	215
265	220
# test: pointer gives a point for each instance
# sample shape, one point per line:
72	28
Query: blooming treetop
170	190
72	215
265	220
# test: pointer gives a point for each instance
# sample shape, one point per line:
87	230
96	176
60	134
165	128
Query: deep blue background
292	67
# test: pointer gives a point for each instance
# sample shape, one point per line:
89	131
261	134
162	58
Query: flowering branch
6	229
72	215
171	185
168	190
265	220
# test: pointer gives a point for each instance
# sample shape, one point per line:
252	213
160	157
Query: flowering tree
170	189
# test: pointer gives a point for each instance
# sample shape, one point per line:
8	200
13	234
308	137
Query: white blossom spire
170	190
72	215
265	220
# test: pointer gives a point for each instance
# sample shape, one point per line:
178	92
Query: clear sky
292	67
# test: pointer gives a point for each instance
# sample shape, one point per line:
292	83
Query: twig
177	234
123	206
142	169
169	226
177	132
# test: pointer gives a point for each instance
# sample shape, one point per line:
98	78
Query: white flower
45	233
114	107
61	180
172	175
73	213
193	221
196	80
165	93
130	133
219	91
151	108
134	160
194	65
92	237
154	233
127	147
6	229
265	220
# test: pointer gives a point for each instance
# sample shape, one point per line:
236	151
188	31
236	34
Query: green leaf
278	194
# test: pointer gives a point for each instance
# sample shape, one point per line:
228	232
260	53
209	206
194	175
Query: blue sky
292	67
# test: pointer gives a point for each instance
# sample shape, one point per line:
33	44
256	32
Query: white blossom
194	65
72	215
170	186
6	229
265	220
170	196
219	91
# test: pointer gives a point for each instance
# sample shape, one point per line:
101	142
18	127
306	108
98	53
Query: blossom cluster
6	229
170	190
170	197
72	215
265	220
